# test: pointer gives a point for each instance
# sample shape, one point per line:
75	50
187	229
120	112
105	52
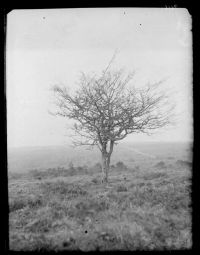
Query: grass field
144	207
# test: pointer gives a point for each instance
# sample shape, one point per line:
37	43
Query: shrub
134	242
93	204
120	165
30	242
160	164
152	176
40	225
122	188
12	175
95	180
112	167
61	188
71	165
17	204
35	202
107	240
184	163
97	167
36	174
87	208
81	169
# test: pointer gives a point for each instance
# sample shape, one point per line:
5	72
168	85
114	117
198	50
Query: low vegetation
70	209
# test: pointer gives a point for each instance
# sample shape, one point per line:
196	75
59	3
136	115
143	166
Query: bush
122	188
107	240
95	204
71	165
88	207
152	176
30	242
97	167
41	225
51	173
62	189
112	167
95	180
17	204
35	202
12	175
184	163
121	166
81	169
160	164
135	241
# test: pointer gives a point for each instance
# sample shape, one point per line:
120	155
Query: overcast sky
47	47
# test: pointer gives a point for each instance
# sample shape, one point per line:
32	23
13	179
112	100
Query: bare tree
105	110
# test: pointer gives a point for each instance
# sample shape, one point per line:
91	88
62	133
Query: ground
144	207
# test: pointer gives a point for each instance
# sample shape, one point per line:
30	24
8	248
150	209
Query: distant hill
27	158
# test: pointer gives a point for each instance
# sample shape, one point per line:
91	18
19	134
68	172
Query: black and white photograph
99	106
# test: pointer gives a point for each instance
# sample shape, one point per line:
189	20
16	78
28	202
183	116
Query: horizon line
69	145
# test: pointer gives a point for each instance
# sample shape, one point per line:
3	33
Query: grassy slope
141	208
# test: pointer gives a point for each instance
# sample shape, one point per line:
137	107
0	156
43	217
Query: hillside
145	206
27	158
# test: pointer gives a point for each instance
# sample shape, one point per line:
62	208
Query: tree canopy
106	110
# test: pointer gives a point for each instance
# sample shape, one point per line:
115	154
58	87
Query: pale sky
47	47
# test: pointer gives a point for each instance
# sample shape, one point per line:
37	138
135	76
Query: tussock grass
139	210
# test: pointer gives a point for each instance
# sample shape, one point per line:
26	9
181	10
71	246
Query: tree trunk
105	167
106	161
